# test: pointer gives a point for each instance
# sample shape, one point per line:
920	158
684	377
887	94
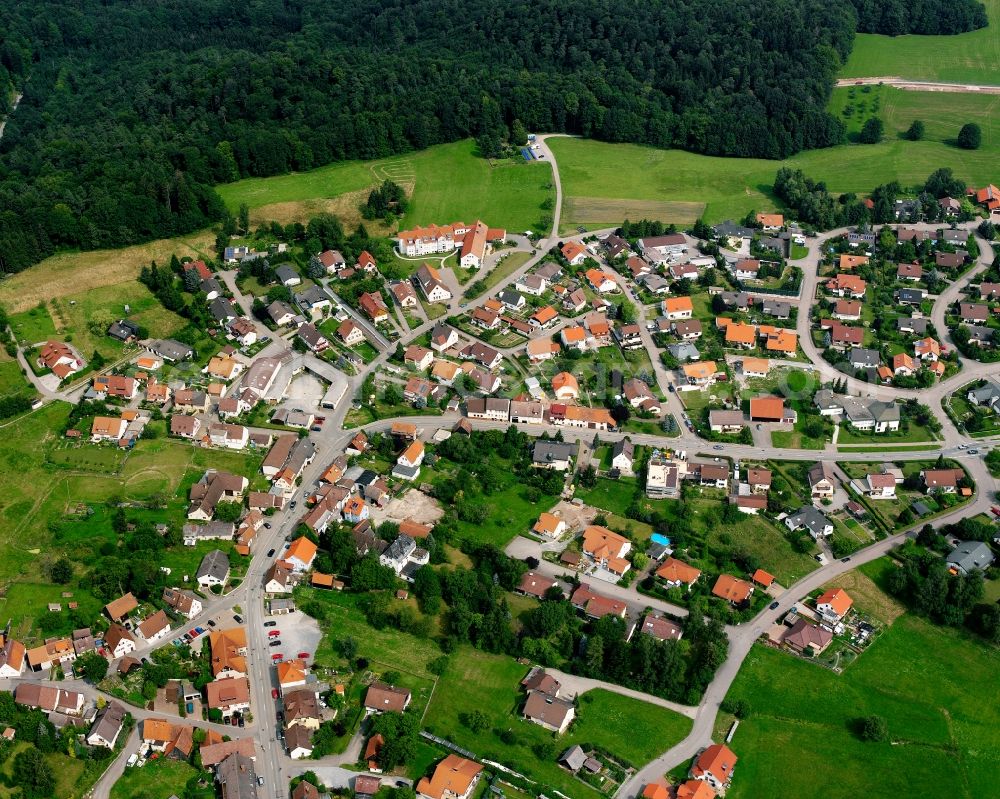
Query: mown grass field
630	729
965	58
67	318
448	183
40	510
923	680
943	114
157	778
76	273
730	187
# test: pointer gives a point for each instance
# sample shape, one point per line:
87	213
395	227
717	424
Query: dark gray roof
810	518
549	451
909	323
171	350
968	556
215	563
861	357
284	272
222	309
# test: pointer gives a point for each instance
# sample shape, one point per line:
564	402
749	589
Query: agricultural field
964	58
943	114
78	273
446	183
68	318
730	187
802	729
12	379
58	504
476	680
161	776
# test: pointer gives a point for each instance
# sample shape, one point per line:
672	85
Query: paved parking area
299	633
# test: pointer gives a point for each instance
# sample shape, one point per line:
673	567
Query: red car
277	656
273	633
303	655
996	510
274	693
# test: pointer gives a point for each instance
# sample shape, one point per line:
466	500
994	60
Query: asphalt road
277	769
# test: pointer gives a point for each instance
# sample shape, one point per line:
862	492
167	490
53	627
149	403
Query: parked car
303	655
267	525
773	606
238	618
211	622
270	553
270	624
274	633
277	656
275	642
274	693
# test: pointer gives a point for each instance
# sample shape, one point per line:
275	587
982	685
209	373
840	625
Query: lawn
614	496
159	777
913	434
58	504
508	266
730	187
76	273
942	113
630	729
965	58
12	379
67	318
796	438
917	676
448	182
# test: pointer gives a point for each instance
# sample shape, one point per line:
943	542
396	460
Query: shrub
970	136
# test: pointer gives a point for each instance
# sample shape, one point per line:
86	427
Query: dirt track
920	86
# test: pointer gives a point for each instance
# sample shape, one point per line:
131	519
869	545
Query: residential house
60	359
119	641
154	627
374	307
214	569
834	604
287	275
185	603
721	421
549	525
970	556
107	725
453	778
541	349
383	698
48	698
715	766
675	308
771	409
676	573
732	589
229	695
551	454
941	481
429	280
822	481
663	249
804	637
549	712
533	584
606	549
565	386
601	282
809	518
844	285
623	455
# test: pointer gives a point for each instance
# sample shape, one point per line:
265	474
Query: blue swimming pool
656	538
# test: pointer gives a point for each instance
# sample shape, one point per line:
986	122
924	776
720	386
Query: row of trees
291	86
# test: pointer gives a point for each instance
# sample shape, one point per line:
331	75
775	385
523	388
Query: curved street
277	769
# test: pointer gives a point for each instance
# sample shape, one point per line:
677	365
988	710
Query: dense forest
132	111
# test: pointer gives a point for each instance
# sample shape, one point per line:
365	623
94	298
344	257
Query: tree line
134	111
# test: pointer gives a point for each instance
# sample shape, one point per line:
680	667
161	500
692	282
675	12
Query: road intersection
277	768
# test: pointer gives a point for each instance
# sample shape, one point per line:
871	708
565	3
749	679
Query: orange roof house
700	370
656	790
741	334
715	765
848	261
301	550
677	305
677	571
837	600
565	385
771	220
732	589
782	340
847	284
694	789
767	409
573	250
544	315
453	778
762	578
